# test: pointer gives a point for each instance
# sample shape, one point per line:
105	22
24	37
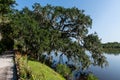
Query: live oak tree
58	29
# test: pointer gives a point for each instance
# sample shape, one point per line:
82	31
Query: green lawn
43	72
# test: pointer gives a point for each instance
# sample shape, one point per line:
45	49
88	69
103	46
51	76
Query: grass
35	70
43	72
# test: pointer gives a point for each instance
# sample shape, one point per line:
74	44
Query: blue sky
105	14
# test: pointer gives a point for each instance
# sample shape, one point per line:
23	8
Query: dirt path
7	67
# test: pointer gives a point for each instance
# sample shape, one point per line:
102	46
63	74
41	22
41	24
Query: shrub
92	77
63	70
24	69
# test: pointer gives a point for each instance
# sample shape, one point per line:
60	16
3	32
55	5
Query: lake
111	72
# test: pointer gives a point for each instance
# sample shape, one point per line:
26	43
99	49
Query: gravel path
7	67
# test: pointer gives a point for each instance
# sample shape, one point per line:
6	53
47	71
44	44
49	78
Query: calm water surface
111	72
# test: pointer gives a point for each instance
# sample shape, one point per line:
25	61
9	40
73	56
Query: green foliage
5	9
93	44
5	5
92	77
63	70
5	24
111	47
24	69
53	28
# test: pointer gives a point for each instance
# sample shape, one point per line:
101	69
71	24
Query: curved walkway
7	67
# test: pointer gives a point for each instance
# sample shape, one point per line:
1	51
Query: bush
92	77
63	70
24	69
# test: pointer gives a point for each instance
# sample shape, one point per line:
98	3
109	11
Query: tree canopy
5	24
55	28
5	9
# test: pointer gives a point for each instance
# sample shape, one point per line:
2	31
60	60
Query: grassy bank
33	70
43	72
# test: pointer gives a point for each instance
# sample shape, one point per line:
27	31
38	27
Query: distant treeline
111	47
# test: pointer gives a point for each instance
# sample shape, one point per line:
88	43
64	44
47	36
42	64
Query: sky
104	13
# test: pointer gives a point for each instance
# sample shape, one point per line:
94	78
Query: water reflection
111	72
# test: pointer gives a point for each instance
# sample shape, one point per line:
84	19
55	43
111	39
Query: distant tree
111	47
